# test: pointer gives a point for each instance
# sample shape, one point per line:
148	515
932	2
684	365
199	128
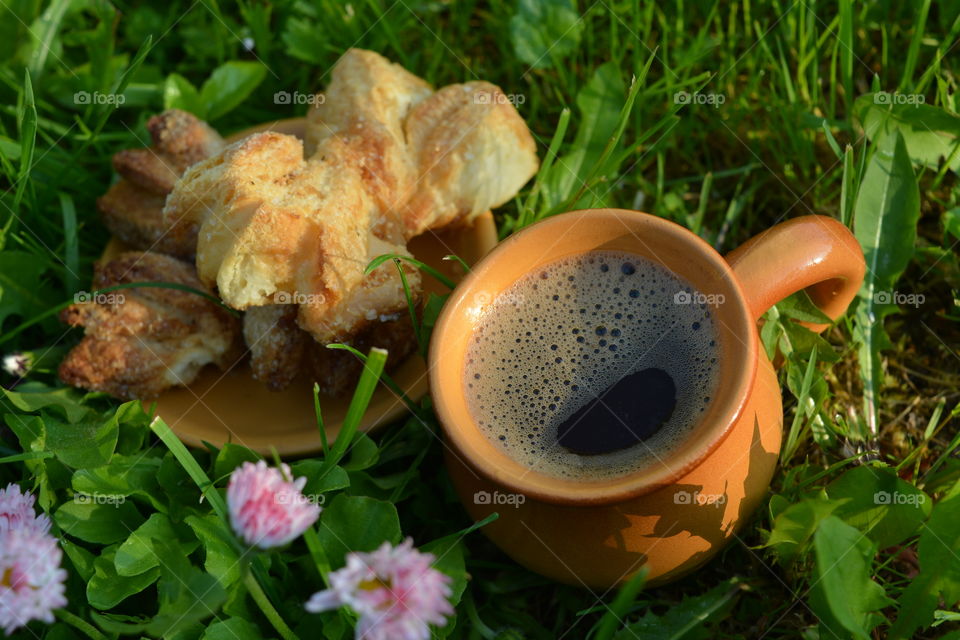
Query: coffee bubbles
593	366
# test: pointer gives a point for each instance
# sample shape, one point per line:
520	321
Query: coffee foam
562	335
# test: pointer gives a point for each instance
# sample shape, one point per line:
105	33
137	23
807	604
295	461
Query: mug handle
815	253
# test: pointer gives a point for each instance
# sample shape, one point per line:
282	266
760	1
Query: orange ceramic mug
598	533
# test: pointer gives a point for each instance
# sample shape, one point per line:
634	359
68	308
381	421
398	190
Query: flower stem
80	624
256	592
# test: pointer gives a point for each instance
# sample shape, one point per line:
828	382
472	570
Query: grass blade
384	377
49	27
71	244
192	467
846	51
913	52
793	436
617	610
697	223
885	223
372	369
379	260
848	190
320	424
27	124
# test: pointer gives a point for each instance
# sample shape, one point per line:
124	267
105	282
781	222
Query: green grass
779	133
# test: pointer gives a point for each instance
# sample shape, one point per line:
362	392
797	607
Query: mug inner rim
592	230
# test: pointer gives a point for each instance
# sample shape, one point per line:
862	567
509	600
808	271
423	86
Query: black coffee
630	410
593	366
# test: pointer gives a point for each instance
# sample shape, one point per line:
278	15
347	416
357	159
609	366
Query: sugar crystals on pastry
389	159
141	341
132	209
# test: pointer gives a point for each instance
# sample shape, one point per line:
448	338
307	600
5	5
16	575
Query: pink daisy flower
265	509
31	580
16	511
396	592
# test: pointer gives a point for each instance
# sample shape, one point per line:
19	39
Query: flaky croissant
389	159
133	207
140	341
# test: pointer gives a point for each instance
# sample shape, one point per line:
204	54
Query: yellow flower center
375	583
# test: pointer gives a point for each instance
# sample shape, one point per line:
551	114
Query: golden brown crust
379	293
390	159
140	341
179	139
365	106
133	207
277	345
280	351
135	216
473	150
336	371
274	224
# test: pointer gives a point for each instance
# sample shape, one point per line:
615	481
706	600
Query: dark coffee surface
630	410
608	325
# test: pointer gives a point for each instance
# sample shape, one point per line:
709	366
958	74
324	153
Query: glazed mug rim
686	254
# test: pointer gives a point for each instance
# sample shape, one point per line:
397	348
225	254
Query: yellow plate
233	407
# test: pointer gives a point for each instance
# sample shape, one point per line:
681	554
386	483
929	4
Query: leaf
125	476
81	559
543	32
951	222
794	527
229	85
320	479
598	103
64	400
363	453
29	431
27	128
136	554
304	40
179	489
930	133
939	579
107	589
230	457
885	224
93	522
60	631
189	465
84	444
880	504
886	212
134	427
232	629
179	93
800	307
186	594
843	595
684	621
431	311
796	340
448	554
221	559
356	523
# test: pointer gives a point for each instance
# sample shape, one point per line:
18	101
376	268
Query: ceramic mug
672	516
